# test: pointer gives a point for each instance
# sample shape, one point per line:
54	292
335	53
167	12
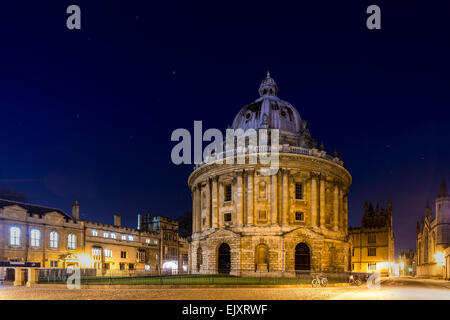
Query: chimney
76	211
139	223
117	220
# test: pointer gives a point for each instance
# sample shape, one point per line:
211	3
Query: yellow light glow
84	260
382	265
439	257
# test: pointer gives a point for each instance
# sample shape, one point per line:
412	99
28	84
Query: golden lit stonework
248	223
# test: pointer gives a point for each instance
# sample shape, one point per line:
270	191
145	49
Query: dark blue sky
88	114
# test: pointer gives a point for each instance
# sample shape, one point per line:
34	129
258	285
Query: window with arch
54	239
71	241
14	236
227	192
35	238
298	191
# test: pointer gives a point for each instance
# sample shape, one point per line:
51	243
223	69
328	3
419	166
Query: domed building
249	223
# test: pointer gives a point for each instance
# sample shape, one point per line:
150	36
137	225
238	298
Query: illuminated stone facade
248	223
53	239
433	238
373	243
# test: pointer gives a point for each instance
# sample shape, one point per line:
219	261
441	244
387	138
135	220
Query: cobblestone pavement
390	289
15	293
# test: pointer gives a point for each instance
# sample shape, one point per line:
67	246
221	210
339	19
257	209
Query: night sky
88	114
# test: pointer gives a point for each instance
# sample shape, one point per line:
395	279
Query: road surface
397	288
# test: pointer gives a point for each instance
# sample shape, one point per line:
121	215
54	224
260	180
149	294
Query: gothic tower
443	217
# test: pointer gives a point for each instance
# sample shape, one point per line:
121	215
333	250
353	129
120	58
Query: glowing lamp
439	257
382	265
84	260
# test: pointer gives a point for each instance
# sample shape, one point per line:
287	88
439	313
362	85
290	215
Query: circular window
248	116
283	113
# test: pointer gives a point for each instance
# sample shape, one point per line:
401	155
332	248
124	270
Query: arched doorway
224	259
302	257
261	257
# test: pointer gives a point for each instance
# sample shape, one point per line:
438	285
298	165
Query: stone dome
269	111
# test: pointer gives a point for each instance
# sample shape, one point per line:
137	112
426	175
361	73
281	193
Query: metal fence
207	277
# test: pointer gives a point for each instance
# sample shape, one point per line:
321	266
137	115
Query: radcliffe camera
229	160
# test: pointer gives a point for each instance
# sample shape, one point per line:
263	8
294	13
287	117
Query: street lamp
439	257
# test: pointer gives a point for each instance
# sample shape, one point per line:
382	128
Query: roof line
35	205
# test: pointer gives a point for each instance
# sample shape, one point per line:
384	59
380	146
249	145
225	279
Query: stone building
433	238
248	222
37	236
373	242
407	262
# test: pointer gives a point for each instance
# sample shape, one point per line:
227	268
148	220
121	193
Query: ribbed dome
269	111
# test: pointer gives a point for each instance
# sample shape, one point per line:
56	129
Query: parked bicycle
319	280
354	280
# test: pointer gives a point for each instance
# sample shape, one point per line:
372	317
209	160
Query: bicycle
319	280
354	281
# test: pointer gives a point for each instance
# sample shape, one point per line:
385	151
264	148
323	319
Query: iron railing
207	277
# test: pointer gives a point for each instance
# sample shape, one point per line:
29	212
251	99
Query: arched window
14	236
71	241
35	238
425	246
433	243
54	239
302	257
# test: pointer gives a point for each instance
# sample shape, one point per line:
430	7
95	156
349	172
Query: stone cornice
307	163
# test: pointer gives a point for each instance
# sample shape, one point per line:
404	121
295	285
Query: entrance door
224	259
10	274
302	257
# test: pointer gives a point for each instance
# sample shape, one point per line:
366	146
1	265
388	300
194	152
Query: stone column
215	204
239	198
199	209
313	200
221	198
345	213
18	277
322	203
285	197
250	198
336	207
341	206
194	210
291	201
208	203
32	277
274	198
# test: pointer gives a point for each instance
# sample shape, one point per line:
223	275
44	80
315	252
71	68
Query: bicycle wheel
315	283
324	282
358	282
